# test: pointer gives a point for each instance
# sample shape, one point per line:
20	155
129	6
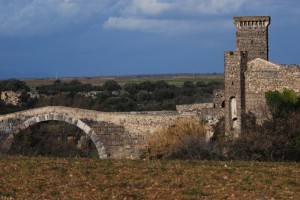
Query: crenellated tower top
252	36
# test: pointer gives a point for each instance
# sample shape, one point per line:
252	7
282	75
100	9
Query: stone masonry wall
235	64
193	107
262	76
252	36
118	135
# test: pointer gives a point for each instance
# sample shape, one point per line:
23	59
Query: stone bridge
115	134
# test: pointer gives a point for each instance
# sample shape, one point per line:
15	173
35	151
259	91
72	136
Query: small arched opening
233	112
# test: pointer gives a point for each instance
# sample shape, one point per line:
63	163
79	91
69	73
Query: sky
76	38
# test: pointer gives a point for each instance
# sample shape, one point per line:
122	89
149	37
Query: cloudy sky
72	38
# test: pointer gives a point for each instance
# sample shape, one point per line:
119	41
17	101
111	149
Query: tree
111	85
146	85
118	104
188	84
13	85
161	84
132	88
143	95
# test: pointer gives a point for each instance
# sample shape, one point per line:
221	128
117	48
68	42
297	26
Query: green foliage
111	85
277	139
143	96
132	88
147	85
73	87
280	100
162	93
13	85
115	104
188	84
161	84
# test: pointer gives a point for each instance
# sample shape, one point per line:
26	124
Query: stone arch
64	118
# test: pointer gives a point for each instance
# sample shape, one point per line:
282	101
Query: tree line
111	97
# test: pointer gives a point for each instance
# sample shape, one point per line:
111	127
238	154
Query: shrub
177	141
13	85
111	85
274	140
280	101
193	147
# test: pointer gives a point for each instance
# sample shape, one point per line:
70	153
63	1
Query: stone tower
235	65
251	43
252	36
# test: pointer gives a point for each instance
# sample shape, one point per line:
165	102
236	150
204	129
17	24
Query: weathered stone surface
193	107
248	74
235	66
262	76
116	135
252	36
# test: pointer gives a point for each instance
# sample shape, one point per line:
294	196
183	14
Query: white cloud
149	7
159	15
32	17
198	7
162	26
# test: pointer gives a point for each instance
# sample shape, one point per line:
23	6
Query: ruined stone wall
193	107
262	76
218	100
252	36
121	134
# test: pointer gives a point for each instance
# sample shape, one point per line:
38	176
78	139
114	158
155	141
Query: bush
111	85
194	147
177	141
281	101
143	95
13	85
274	140
118	104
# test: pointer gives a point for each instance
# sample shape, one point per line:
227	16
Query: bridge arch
59	117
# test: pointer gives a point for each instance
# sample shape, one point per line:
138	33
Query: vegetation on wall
16	86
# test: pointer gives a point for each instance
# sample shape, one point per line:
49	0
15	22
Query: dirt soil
77	178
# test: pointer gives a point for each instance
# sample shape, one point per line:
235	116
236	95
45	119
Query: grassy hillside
74	178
